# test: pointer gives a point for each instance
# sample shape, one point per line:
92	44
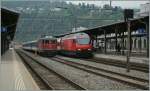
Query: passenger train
78	45
43	46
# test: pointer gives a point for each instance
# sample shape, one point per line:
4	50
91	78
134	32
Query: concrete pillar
140	46
92	39
2	46
128	46
7	43
133	43
120	41
147	30
123	43
105	41
96	42
142	43
116	41
130	42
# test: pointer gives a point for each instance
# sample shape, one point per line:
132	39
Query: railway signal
128	14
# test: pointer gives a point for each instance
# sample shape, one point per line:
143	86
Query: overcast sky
122	3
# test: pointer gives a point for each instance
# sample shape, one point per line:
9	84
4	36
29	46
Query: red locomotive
44	46
78	44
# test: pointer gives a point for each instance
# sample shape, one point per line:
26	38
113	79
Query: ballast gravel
133	73
84	79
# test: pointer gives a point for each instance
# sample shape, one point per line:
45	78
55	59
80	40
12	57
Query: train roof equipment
77	35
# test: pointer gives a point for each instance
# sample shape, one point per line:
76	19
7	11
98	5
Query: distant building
144	10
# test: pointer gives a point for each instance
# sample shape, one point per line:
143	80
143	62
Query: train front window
83	41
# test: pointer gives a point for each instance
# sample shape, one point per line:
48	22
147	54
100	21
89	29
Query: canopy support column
116	41
105	41
128	46
123	43
147	30
96	44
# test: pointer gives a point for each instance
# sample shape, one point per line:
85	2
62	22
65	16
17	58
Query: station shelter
9	21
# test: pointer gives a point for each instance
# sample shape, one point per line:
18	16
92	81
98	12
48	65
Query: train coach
46	46
78	45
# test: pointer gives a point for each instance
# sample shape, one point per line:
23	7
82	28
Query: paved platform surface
13	73
143	60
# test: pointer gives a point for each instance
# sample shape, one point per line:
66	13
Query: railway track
134	66
134	81
52	79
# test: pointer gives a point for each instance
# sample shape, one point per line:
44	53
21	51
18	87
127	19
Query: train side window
46	41
53	41
74	41
50	41
43	41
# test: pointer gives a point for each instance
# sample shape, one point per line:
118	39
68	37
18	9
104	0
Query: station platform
13	73
142	60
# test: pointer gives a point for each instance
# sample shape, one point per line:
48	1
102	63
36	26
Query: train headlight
89	49
79	49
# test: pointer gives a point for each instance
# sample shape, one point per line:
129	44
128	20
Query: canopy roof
110	28
9	19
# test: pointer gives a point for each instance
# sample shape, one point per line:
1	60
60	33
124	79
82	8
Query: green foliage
53	18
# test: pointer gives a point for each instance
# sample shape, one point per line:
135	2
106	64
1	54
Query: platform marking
19	83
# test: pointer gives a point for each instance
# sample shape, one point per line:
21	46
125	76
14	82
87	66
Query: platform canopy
110	28
9	19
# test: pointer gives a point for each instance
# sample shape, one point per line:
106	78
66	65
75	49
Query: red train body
44	46
76	45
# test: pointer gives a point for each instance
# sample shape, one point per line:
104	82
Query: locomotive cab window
83	40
